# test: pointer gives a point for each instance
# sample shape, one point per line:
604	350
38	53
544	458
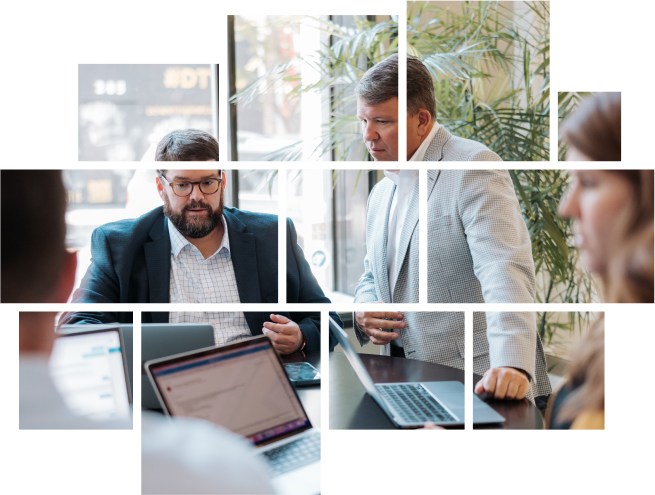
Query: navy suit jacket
309	321
131	263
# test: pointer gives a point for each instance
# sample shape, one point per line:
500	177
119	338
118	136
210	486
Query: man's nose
370	133
196	193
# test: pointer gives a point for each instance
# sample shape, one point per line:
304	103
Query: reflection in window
125	109
258	191
328	208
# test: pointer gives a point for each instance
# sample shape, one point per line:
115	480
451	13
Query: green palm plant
338	66
491	73
566	104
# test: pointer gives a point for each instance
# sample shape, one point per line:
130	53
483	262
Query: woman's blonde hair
587	374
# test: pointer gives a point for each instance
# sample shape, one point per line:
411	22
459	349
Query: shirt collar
419	154
178	241
402	174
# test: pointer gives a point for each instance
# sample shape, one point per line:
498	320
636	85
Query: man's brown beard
199	228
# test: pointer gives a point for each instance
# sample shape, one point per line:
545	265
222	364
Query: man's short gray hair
380	82
420	89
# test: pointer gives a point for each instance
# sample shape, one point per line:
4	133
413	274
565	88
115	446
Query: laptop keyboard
414	404
294	454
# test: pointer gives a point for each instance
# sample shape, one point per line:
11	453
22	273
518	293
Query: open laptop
411	404
89	369
160	340
127	333
244	388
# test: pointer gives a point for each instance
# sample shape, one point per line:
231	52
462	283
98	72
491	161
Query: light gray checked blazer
374	284
446	147
478	250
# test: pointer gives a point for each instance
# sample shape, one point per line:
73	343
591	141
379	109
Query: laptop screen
89	372
242	387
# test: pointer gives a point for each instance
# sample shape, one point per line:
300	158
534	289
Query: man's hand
285	334
429	425
504	383
372	321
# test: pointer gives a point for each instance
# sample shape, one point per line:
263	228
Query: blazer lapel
433	177
379	257
244	259
434	153
409	224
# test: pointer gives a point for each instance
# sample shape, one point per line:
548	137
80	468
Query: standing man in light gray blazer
479	252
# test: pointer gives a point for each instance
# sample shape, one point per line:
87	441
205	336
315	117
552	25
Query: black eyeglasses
184	188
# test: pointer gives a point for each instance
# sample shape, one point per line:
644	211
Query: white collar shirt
405	181
197	280
183	455
42	408
420	152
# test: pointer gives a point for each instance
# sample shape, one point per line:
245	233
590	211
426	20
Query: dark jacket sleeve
100	283
302	286
89	318
315	328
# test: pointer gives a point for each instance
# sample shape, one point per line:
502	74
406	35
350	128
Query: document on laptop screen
88	372
244	390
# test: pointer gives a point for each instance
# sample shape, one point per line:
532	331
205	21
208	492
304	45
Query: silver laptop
411	404
244	388
89	369
159	340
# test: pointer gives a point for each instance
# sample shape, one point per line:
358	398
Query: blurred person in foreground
377	109
41	407
593	131
36	268
178	455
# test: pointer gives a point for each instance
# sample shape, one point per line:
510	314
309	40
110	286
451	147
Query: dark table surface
352	408
310	396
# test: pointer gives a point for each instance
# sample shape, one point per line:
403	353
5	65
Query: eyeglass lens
209	186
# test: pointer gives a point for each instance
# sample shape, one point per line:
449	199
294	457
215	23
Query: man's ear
224	181
423	121
161	193
66	279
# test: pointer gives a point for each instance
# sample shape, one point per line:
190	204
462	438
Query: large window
256	190
292	80
269	120
125	109
328	208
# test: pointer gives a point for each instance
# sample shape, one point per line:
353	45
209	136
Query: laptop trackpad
302	481
450	394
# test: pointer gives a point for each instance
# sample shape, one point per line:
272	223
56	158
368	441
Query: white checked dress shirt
405	181
197	280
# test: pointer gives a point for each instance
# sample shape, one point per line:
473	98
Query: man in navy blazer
308	321
132	260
